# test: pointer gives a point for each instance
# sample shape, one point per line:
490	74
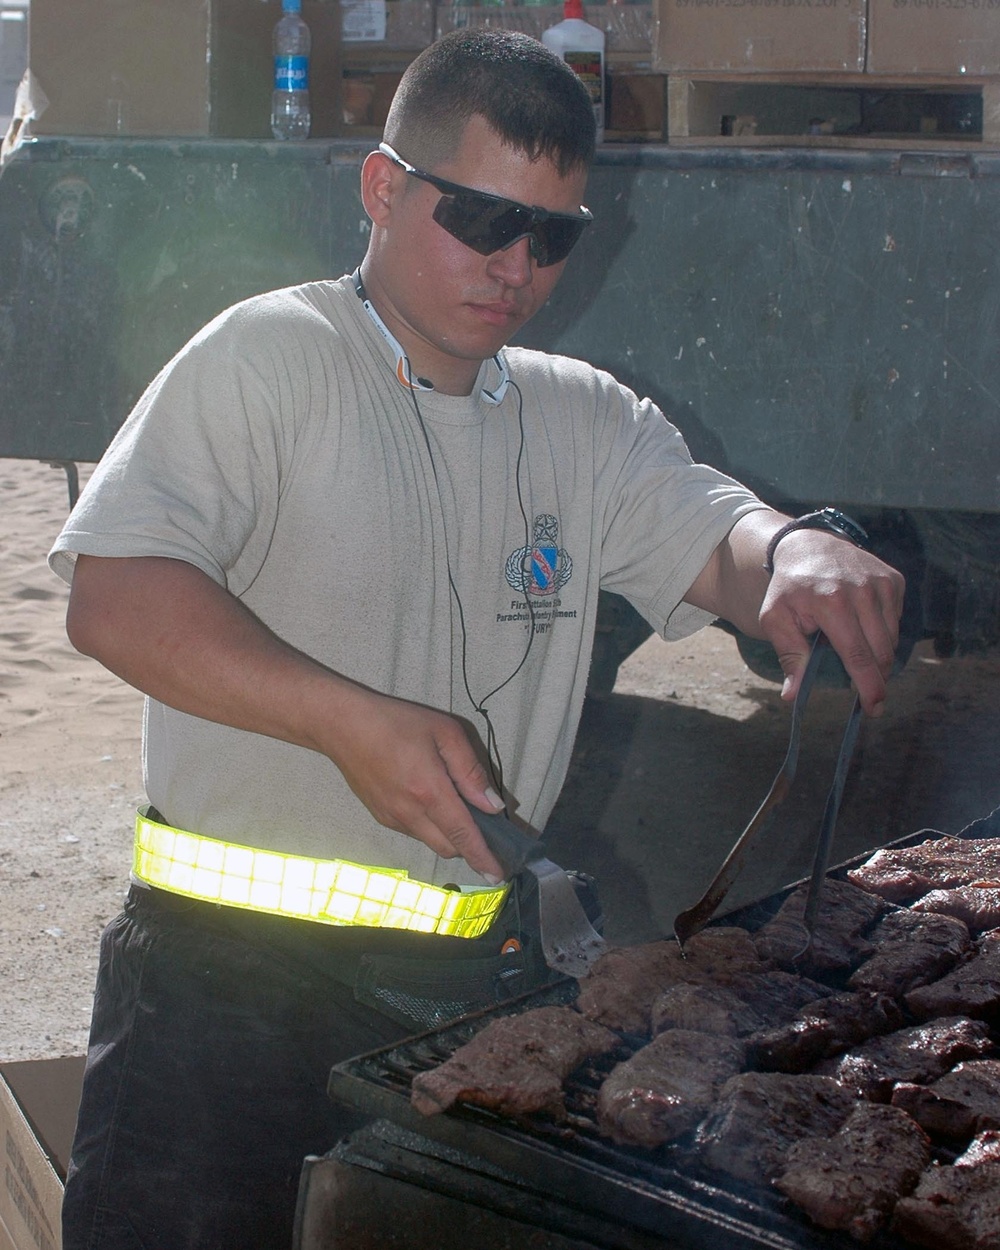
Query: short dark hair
526	94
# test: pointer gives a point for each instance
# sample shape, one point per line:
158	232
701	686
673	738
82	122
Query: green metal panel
824	326
821	323
116	253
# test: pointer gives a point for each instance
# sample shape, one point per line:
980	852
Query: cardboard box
38	1105
173	68
915	37
627	27
730	36
395	24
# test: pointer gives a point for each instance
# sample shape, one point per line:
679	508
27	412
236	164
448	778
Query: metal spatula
570	943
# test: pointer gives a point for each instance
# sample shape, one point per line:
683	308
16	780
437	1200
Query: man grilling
350	546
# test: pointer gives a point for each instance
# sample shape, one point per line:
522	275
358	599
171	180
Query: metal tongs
695	918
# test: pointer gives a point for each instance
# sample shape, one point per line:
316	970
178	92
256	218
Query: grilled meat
977	904
665	1088
842	1140
956	1208
984	1148
756	1002
759	1116
902	874
852	1180
716	1010
823	1028
920	1053
959	1104
845	913
624	983
970	989
516	1065
911	950
621	986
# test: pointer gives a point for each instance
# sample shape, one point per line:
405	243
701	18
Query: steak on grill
759	1116
754	1003
910	950
852	1180
956	1208
959	1104
902	874
664	1089
823	1028
917	1054
515	1065
970	989
845	913
623	984
984	1148
977	904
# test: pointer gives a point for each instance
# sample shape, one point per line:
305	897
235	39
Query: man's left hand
820	582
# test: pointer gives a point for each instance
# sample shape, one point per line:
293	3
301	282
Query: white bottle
290	116
581	46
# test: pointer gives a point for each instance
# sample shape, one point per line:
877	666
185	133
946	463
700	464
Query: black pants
213	1035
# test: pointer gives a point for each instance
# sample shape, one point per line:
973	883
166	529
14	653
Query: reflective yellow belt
331	891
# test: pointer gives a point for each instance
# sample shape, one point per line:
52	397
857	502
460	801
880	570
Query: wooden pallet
839	109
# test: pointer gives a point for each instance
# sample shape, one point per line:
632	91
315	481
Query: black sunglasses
489	223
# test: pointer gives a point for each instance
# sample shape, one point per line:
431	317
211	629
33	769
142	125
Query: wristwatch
830	519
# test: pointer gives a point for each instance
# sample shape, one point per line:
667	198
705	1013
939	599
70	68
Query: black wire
493	757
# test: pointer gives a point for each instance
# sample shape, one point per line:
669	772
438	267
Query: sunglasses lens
555	238
481	222
488	225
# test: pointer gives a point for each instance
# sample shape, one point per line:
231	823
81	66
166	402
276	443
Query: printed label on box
362	21
22	1197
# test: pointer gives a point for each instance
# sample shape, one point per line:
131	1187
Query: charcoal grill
470	1178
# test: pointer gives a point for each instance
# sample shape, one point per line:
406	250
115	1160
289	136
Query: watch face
830	519
840	523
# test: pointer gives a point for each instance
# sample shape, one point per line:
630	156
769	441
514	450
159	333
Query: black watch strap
830	519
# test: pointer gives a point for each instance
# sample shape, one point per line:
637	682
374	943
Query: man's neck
431	370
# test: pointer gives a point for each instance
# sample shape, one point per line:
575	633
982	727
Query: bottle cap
573	8
295	6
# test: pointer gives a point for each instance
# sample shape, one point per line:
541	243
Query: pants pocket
427	993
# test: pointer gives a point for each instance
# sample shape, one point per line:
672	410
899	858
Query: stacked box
627	27
923	37
172	67
785	36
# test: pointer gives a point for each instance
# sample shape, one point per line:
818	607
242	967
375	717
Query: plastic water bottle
290	116
581	46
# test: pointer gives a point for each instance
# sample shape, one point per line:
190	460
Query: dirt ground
666	772
671	767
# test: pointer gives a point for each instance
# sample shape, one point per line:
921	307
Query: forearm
734	582
166	628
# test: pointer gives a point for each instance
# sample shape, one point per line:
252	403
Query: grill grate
666	1192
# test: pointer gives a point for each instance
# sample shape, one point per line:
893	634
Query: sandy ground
69	778
666	772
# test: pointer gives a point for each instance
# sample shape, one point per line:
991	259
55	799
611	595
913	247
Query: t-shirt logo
544	567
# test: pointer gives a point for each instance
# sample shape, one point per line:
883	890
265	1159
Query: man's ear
378	185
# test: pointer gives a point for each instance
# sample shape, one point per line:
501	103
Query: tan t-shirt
279	454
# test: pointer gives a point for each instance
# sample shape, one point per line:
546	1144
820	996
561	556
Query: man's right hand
412	767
